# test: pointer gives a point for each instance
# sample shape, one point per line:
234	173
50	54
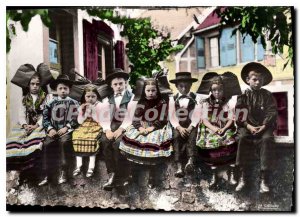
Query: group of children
149	126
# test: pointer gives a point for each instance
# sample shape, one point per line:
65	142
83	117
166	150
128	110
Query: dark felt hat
183	76
230	83
61	79
117	73
258	68
23	75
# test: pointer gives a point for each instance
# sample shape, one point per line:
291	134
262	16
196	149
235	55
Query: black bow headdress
230	82
161	82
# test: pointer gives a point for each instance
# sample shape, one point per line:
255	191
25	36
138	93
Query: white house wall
26	47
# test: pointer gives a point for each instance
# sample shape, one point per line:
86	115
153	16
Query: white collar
122	94
179	94
59	98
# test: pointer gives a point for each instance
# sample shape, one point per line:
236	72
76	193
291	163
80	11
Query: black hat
183	76
23	75
62	79
258	68
230	83
117	73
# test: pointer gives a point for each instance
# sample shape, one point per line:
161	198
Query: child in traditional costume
256	128
184	119
24	143
59	121
217	136
148	141
86	138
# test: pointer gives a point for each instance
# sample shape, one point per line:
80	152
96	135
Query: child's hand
214	129
28	129
52	133
142	130
221	131
149	129
252	129
183	131
118	133
62	131
260	129
109	134
190	128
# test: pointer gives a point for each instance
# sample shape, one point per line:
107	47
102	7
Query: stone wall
190	193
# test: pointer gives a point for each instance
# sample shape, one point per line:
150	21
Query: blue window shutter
228	48
200	52
247	48
260	50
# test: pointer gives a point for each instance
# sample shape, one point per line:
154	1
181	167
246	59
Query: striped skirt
150	149
22	151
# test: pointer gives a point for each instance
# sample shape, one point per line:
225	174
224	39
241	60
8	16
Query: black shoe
62	178
179	173
241	183
189	167
214	180
263	188
231	176
152	183
110	184
43	182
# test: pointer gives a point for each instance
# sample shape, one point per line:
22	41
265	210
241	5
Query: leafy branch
269	23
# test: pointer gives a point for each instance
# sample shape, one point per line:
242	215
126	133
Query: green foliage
24	17
270	23
146	45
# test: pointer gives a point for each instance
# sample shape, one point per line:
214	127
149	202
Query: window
104	55
61	42
225	50
200	52
214	52
54	47
247	48
260	50
248	52
228	48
